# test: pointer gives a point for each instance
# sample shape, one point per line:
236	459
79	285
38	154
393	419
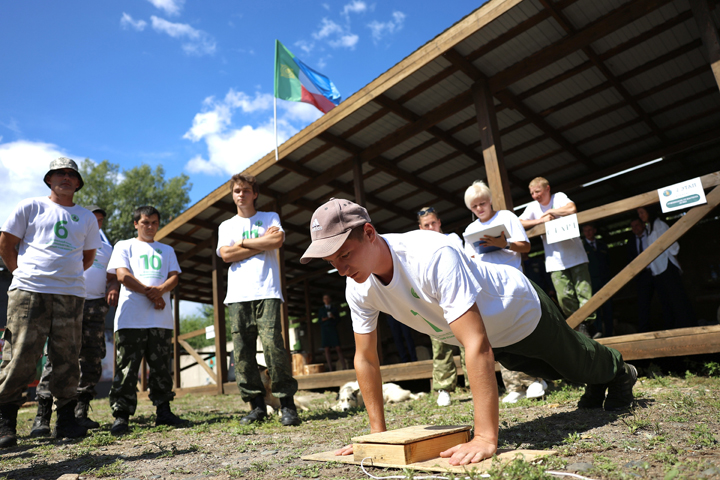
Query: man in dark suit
643	281
599	266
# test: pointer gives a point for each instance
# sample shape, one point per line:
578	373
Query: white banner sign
564	228
682	195
210	332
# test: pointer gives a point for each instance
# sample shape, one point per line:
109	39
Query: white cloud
23	164
327	28
356	6
13	126
233	149
171	7
382	29
346	41
198	42
126	21
305	46
336	35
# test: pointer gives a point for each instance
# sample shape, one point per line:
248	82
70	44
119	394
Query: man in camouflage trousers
249	241
148	271
101	293
47	243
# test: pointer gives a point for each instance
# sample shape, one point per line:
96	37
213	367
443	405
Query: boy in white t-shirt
47	243
566	261
494	311
249	242
148	271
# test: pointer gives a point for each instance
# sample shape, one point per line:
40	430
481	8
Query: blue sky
182	83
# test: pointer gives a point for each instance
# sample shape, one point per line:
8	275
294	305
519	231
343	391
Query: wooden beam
693	216
218	286
666	343
358	183
709	35
492	146
199	359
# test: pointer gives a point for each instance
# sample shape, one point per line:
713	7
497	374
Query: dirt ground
672	433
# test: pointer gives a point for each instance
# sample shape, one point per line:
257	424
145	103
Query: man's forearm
269	241
237	253
131	283
9	258
370	381
530	223
483	384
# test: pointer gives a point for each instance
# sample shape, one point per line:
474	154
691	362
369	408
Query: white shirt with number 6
150	264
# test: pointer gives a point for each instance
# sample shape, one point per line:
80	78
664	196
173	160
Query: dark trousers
645	289
399	331
556	351
677	309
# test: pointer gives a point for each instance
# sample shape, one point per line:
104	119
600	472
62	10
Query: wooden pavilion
572	90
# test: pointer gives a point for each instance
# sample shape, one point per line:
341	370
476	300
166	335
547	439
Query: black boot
257	414
8	425
41	425
66	425
81	411
165	416
289	412
121	425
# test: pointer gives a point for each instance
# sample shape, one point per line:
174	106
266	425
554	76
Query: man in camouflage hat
47	243
102	290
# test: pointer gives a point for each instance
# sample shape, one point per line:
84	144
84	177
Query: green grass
110	470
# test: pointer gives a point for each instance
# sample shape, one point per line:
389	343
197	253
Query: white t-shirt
96	275
560	255
52	241
659	265
434	283
257	277
503	256
150	264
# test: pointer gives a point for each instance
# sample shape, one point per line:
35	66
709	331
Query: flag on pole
296	82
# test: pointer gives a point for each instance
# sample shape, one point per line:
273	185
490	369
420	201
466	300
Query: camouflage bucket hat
59	164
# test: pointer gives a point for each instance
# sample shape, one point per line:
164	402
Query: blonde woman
479	200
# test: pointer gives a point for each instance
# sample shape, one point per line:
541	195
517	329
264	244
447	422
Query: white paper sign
682	195
210	332
563	228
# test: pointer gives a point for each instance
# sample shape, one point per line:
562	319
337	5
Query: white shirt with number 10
150	264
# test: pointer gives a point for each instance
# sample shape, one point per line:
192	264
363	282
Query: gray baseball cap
60	163
95	208
331	225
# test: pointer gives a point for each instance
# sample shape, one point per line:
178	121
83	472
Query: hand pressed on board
499	242
474	451
346	450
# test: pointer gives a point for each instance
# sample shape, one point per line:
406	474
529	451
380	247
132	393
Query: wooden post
219	318
492	148
176	331
358	181
308	321
284	320
693	216
709	35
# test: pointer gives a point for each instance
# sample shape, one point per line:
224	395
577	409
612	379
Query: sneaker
536	389
513	397
121	425
443	398
594	396
620	394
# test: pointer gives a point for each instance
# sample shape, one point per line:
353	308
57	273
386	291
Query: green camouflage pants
250	320
573	289
444	369
516	381
91	353
132	344
33	318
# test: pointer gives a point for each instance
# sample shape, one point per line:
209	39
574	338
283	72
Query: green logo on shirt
60	231
412	292
75	218
426	321
158	251
258	223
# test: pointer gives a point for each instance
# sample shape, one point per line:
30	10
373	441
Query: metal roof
582	89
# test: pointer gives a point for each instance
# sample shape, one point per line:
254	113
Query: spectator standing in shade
637	244
249	242
148	271
329	319
47	243
101	293
444	370
508	251
665	269
566	261
399	332
599	265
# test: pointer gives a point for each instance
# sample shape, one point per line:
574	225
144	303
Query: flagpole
277	157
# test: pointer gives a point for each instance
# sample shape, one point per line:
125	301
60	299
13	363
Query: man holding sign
565	261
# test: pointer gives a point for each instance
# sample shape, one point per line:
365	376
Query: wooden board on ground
436	464
409	445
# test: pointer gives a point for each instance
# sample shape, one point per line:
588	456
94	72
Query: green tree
120	194
204	318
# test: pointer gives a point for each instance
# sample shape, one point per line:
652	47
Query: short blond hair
478	189
539	181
